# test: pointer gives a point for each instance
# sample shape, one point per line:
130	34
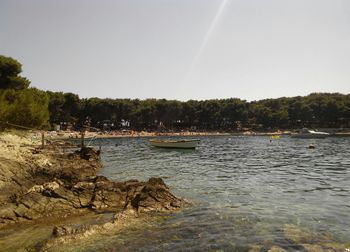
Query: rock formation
50	183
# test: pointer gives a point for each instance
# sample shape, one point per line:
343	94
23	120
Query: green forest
20	104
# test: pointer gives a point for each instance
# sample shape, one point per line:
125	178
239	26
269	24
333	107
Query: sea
246	193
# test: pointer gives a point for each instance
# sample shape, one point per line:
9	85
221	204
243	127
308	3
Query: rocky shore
58	182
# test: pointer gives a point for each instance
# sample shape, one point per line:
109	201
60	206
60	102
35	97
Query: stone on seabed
276	249
313	242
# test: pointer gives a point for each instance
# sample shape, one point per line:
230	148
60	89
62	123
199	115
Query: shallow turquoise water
245	190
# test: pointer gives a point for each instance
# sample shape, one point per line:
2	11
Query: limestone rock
276	249
155	196
52	183
255	248
337	247
299	235
313	248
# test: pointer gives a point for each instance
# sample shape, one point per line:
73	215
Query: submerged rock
255	248
313	248
276	249
337	247
300	235
312	241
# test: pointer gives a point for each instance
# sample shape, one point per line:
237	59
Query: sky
180	49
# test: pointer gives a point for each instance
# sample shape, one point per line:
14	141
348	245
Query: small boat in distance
307	134
178	144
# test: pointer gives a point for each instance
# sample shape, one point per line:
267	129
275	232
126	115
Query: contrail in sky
206	38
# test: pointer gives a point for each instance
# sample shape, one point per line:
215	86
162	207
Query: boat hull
180	144
309	136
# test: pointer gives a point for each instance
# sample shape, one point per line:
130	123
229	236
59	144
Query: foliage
19	104
26	107
63	107
315	110
9	74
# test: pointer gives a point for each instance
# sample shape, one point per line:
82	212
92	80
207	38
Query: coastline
49	185
120	134
64	135
65	206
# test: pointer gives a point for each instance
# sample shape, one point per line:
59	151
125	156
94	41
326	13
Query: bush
27	107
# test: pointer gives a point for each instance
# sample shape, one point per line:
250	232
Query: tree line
317	110
35	108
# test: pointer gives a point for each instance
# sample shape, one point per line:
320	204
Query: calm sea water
244	189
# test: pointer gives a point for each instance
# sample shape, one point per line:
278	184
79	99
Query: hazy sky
180	49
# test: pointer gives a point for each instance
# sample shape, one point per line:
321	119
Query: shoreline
66	135
84	215
48	185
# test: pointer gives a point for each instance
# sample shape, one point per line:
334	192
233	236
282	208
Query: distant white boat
179	144
306	133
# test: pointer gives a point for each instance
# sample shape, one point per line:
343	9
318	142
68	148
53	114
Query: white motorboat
307	134
179	144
